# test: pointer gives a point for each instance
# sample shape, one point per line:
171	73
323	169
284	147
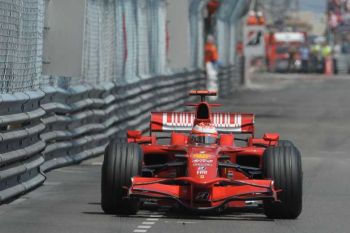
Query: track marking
144	227
148	223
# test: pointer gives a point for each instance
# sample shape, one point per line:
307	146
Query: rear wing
183	122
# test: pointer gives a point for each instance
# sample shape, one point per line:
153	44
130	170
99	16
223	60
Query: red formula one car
202	168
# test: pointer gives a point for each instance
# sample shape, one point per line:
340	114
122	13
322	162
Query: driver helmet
204	133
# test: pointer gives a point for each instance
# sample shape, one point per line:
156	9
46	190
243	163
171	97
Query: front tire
122	161
283	165
285	143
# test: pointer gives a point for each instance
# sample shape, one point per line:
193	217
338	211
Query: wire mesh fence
21	28
197	32
125	40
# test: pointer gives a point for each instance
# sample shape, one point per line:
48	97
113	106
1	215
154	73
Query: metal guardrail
21	146
80	121
229	79
55	127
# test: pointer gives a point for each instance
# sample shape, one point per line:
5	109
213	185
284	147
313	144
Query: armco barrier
21	146
81	120
229	79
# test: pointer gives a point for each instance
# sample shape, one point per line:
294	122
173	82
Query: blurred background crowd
303	37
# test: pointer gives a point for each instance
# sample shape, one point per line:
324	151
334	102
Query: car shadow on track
245	214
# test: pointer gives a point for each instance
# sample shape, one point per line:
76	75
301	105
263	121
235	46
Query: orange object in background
211	53
328	68
255	18
213	6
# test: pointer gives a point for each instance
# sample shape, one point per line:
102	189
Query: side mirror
271	137
136	134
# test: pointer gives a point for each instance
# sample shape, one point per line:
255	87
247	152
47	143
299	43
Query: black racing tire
283	165
285	143
120	137
122	161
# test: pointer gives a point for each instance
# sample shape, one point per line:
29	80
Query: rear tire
283	165
122	161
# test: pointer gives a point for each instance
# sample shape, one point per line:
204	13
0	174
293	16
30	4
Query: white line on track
148	223
144	227
140	230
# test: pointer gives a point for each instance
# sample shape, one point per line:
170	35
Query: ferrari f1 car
202	168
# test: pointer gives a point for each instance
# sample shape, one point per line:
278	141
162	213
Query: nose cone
202	164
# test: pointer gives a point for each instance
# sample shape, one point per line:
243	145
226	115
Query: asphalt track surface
314	112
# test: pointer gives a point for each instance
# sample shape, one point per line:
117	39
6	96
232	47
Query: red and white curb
147	224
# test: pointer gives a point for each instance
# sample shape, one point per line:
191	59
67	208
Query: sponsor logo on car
202	162
202	196
201	156
202	171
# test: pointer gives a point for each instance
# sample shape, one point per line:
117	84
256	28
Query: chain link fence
197	32
21	32
125	41
230	28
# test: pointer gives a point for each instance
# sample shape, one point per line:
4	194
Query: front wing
198	195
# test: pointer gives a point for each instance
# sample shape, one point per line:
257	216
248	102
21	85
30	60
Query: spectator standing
211	63
305	57
315	56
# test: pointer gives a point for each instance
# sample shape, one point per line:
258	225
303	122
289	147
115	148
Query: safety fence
21	24
124	41
229	28
21	146
58	126
230	79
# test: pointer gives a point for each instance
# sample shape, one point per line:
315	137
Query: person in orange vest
211	51
255	18
211	64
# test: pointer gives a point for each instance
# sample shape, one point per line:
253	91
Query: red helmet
204	133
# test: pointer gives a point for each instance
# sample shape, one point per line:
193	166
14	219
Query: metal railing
55	127
21	145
